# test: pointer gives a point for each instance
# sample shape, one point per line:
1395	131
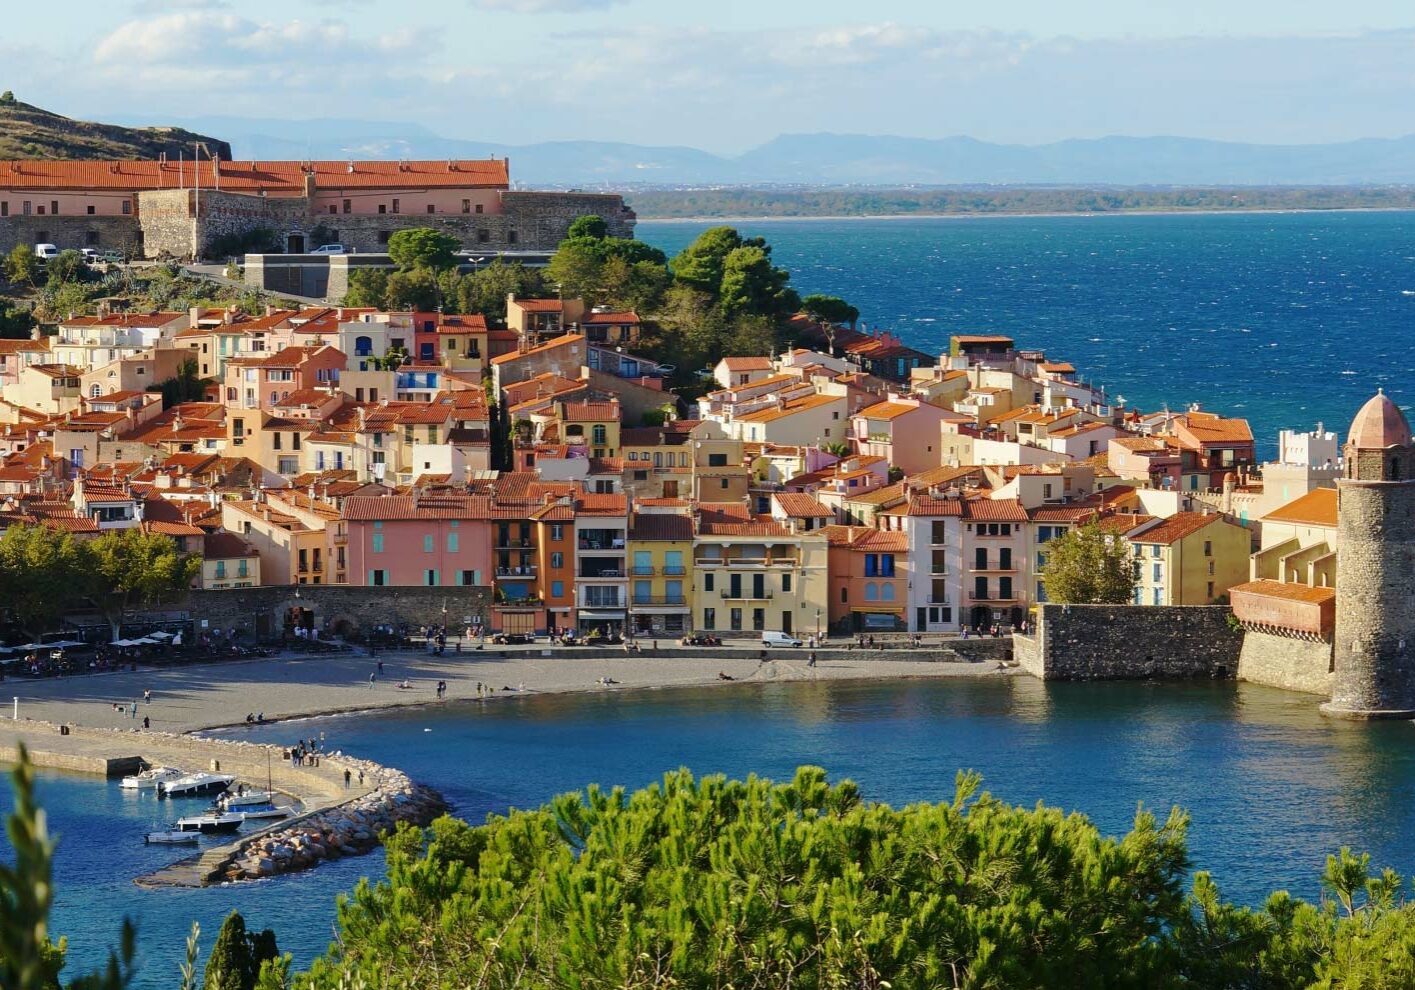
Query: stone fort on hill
162	208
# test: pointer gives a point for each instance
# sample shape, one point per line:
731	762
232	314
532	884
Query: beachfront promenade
200	696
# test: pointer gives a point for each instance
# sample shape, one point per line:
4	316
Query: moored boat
196	784
150	779
247	799
172	837
210	824
261	811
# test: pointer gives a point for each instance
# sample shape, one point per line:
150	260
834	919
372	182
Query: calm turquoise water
1271	785
1286	319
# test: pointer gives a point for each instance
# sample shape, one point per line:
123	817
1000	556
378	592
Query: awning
586	614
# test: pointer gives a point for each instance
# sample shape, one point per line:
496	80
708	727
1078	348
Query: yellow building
660	587
229	562
593	424
752	574
291	552
1190	558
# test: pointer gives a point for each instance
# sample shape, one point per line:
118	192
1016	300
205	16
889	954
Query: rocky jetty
348	829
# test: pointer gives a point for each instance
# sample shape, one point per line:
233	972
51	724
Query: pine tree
230	965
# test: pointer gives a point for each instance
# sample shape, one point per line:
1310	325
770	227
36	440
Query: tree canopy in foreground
1087	567
714	884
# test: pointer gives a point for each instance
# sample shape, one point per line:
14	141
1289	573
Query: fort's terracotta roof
252	177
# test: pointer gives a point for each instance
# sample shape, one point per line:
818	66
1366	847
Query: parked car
90	255
330	249
110	257
511	639
46	251
772	638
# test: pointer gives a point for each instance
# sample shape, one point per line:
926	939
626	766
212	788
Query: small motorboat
210	824
150	779
172	837
194	784
247	799
253	811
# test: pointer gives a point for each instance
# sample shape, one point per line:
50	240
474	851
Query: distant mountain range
845	159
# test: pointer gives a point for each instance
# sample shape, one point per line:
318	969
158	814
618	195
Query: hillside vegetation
30	132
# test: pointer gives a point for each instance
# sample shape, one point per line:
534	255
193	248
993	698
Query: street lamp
818	625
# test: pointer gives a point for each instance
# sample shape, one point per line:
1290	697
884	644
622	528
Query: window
127	207
709	618
708	581
557	560
1211	568
886	592
723	483
1004	588
1158	597
333	209
348	206
430	578
557	532
980	559
872	564
939	533
734	619
54	207
844	595
1157	571
427	543
452	544
871	592
786	583
221	568
395	206
4	207
482	235
512	237
643	592
378	578
466	206
1209	549
479	207
1210	592
431	208
382	209
1004	560
886	563
377	543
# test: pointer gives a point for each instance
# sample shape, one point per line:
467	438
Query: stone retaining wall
261	611
1288	662
1120	642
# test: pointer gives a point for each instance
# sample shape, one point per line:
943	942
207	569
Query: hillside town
857	488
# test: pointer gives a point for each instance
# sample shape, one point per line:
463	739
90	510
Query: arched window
1395	469
95	390
871	592
363	346
887	592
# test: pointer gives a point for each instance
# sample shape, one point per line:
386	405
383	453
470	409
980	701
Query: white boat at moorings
261	811
195	784
150	779
212	824
172	837
245	799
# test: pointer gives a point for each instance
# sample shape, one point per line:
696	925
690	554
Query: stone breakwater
348	829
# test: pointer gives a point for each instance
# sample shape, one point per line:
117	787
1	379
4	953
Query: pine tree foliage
1085	566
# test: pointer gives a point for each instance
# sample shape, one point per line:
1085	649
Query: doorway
295	244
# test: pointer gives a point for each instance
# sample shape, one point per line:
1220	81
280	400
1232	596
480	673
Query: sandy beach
204	696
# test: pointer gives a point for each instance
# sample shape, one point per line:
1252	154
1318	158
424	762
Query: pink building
439	540
905	432
261	383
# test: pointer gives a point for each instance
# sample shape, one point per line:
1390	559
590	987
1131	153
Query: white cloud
545	6
211	37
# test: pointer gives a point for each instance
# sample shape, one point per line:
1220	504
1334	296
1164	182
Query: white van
771	638
329	249
46	251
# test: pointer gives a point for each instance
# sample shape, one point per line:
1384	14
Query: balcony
514	604
674	571
510	543
601	602
746	595
609	545
612	574
641	600
524	570
638	571
992	600
992	570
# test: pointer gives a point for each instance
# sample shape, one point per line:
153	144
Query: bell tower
1374	650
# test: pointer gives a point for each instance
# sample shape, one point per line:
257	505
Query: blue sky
727	75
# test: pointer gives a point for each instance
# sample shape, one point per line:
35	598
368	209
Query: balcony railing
602	545
525	570
602	603
993	599
533	601
508	543
674	571
602	574
642	571
746	594
660	600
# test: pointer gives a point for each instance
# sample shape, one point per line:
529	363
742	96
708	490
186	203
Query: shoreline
1030	215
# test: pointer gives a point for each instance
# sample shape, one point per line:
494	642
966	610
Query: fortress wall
1127	642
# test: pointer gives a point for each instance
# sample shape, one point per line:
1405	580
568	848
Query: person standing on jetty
372	678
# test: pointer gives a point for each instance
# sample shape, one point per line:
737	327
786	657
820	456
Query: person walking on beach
380	666
347	777
147	696
145	723
135	708
372	678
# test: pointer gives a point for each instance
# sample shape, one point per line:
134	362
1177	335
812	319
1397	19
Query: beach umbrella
159	635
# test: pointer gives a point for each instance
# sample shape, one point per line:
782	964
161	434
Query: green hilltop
30	132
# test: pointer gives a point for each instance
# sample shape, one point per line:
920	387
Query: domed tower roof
1380	424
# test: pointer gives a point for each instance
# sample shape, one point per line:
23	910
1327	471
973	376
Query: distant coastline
1035	215
879	203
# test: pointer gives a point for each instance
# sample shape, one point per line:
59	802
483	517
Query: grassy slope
30	132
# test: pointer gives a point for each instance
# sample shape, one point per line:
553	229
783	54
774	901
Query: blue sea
1287	319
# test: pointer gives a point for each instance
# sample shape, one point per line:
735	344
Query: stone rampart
1126	642
118	233
1291	662
261	611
